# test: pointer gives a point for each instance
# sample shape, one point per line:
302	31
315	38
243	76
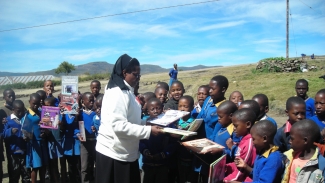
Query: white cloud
222	25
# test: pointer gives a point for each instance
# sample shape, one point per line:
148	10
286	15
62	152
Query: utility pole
287	50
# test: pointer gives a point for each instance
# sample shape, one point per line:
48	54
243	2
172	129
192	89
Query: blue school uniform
268	167
16	143
55	143
37	152
221	135
310	107
87	117
96	121
321	124
266	117
70	141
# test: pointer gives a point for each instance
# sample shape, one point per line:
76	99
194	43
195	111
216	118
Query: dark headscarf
117	79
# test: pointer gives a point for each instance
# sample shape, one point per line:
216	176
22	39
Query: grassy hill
101	67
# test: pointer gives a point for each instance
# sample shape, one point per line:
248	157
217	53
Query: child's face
98	106
202	94
296	113
95	88
224	118
176	91
240	127
34	104
47	103
237	98
215	91
154	109
258	140
296	140
161	94
301	89
320	104
9	97
48	87
145	104
88	101
19	111
43	97
263	109
184	105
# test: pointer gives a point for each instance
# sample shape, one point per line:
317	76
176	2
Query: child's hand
81	138
240	163
4	121
14	130
213	150
93	129
26	139
229	143
147	154
175	136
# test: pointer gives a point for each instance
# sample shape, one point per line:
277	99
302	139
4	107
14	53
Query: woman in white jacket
121	126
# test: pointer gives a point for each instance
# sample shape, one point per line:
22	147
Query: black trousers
17	167
109	170
74	168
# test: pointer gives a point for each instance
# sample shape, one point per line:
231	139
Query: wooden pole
287	50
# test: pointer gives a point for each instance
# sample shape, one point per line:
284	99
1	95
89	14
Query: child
202	94
263	102
146	97
17	145
55	148
95	88
268	166
48	87
37	152
156	150
43	96
243	120
295	110
176	91
162	84
87	146
224	130
302	159
161	94
96	120
250	104
319	118
236	97
301	91
184	160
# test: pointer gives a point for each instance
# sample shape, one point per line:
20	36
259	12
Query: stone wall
292	65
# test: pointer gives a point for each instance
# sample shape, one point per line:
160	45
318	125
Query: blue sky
225	32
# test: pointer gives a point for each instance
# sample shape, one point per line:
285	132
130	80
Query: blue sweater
71	144
173	73
320	124
88	117
281	139
96	121
310	107
15	141
272	120
268	168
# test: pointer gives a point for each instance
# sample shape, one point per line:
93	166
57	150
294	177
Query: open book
168	117
194	126
201	145
179	132
217	170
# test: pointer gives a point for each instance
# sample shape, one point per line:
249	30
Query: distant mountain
102	67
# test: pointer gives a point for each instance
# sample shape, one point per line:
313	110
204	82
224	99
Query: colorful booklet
50	117
201	145
217	170
70	103
69	85
82	130
27	128
168	117
194	126
179	132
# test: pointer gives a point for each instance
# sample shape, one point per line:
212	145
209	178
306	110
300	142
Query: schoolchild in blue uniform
224	131
319	118
96	119
263	102
95	87
17	144
48	87
37	151
55	148
185	158
202	94
87	146
157	150
301	91
218	86
176	91
268	165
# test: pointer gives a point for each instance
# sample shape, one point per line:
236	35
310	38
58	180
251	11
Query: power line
104	16
306	5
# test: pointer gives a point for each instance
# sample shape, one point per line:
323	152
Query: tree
65	67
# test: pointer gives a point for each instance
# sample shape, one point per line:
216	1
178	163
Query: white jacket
121	127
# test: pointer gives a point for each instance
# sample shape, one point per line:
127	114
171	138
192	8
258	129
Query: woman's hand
156	130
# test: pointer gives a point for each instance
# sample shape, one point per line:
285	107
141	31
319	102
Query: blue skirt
71	146
37	154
